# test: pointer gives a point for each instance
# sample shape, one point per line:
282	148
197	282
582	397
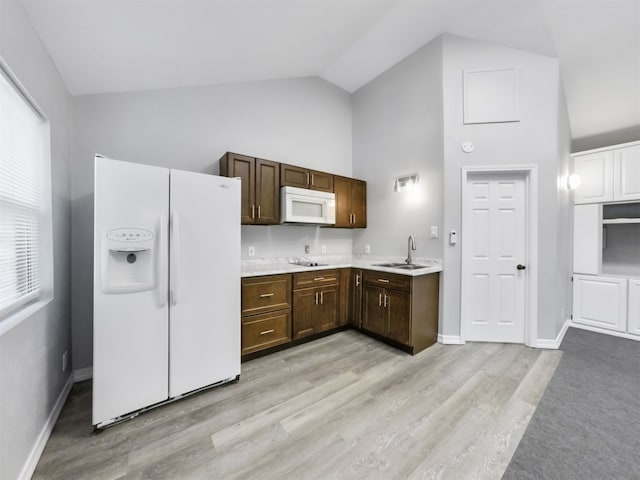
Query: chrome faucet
411	245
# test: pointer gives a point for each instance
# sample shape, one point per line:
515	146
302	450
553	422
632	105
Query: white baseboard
554	344
34	456
82	374
628	336
450	339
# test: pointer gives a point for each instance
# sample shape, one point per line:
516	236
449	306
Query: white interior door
494	257
204	318
130	311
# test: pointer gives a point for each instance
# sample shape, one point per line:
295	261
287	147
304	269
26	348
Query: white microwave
299	205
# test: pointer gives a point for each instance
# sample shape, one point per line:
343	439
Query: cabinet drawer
265	330
266	294
388	280
315	278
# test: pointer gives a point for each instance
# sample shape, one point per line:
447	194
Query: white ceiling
126	45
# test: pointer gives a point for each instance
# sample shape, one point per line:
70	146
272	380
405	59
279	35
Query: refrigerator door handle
174	243
162	261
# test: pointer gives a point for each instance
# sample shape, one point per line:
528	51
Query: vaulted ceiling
126	45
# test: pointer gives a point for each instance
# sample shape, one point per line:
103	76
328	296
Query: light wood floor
343	407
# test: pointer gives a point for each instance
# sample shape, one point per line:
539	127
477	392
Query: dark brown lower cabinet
408	316
279	309
315	310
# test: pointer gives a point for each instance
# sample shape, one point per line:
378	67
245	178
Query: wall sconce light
406	182
574	181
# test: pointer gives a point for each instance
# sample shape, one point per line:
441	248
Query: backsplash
288	240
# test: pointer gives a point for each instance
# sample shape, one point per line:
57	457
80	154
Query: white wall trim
450	339
531	186
626	335
82	374
34	456
556	342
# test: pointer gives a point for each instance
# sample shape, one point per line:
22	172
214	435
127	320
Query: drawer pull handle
265	295
357	280
316	299
321	298
267	331
383	280
379	299
317	279
385	301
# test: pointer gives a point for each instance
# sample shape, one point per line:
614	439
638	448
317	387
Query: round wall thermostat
467	147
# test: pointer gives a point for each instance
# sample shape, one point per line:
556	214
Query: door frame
531	240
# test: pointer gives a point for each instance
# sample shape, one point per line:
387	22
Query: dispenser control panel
129	235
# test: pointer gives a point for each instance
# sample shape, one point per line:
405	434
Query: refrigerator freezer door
204	318
130	313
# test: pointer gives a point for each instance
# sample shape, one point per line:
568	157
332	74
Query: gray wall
398	130
532	140
304	121
31	378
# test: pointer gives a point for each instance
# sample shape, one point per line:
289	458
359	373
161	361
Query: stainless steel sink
390	264
400	265
413	266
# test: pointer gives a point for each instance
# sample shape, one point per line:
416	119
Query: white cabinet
608	174
600	302
596	172
626	173
634	306
587	238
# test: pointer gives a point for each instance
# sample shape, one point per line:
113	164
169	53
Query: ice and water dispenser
128	260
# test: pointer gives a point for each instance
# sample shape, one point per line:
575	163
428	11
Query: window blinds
21	150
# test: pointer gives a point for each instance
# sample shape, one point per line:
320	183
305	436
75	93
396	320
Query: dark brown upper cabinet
260	187
351	202
292	176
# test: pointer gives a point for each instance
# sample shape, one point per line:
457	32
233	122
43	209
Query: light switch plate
434	231
252	251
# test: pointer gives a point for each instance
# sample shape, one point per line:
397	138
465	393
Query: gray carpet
587	425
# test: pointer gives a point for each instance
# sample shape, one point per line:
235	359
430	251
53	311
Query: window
24	206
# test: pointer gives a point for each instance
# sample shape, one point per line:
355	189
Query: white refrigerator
166	302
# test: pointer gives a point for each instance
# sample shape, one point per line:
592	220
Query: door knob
521	267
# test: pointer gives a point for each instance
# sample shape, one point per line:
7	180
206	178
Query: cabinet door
626	173
374	316
320	181
304	304
587	238
634	306
235	165
291	176
344	296
342	190
355	298
600	302
267	196
398	305
359	203
596	172
325	313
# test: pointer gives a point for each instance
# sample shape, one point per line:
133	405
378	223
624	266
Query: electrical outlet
65	360
307	249
367	248
323	249
252	251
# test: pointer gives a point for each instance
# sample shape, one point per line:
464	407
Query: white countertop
274	266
